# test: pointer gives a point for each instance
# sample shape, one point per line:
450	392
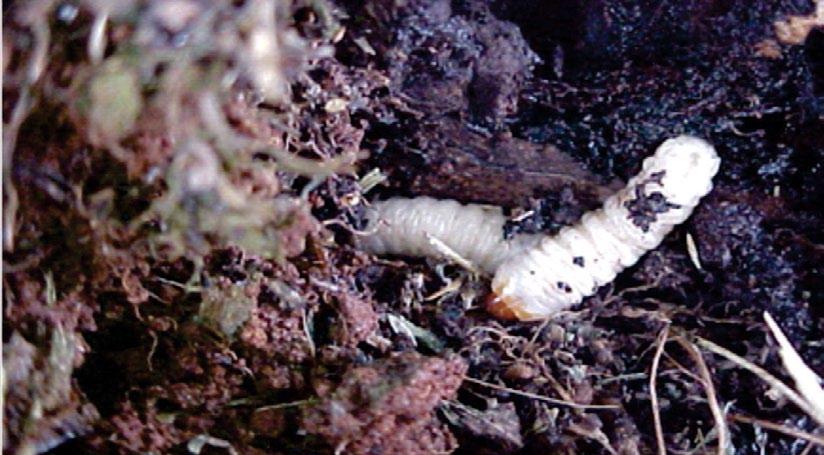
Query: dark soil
180	271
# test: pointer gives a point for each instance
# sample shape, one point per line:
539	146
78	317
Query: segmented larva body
536	276
563	269
409	226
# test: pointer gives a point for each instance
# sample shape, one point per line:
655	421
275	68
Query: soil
183	191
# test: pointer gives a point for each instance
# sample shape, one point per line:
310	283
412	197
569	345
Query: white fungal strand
561	270
537	276
407	226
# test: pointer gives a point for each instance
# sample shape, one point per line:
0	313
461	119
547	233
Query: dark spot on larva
578	260
564	287
532	272
644	209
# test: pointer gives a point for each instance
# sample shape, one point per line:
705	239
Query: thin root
789	431
653	377
712	399
545	399
771	380
806	381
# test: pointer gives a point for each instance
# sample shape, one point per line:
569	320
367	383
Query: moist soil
181	269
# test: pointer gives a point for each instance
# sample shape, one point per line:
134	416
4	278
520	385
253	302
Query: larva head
689	164
504	308
516	300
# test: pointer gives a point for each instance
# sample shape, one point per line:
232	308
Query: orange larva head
506	307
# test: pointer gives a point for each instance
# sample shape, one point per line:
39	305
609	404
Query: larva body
561	270
534	276
408	227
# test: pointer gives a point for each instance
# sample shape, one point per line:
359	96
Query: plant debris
388	406
184	183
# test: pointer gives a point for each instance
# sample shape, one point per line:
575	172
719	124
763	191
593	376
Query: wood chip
692	250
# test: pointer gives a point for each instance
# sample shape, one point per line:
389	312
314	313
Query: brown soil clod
184	182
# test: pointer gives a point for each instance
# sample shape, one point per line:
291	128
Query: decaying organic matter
185	184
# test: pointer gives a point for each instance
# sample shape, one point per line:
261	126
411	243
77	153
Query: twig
34	69
681	368
96	45
813	438
806	381
596	435
653	378
451	254
537	333
449	288
285	405
771	380
622	378
807	449
712	399
545	399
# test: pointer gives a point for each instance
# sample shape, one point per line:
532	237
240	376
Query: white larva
561	270
537	276
475	232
